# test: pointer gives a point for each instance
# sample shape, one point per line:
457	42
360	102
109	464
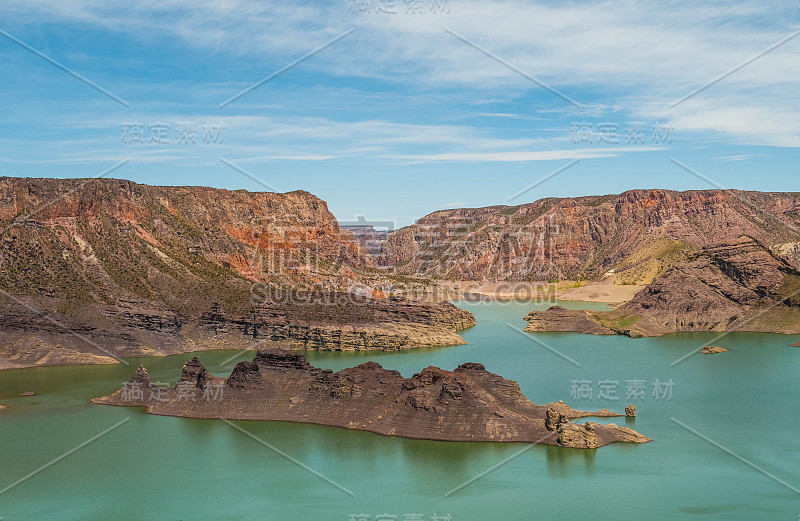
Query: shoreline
603	292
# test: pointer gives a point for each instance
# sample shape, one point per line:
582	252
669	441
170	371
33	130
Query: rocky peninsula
739	285
467	404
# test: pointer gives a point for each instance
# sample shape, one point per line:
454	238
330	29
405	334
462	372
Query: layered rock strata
92	270
467	404
737	286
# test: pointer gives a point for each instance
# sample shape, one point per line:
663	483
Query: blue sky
400	117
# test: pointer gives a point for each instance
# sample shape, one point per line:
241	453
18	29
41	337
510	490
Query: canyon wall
96	269
638	234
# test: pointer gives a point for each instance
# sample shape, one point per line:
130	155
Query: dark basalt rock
468	404
245	375
470	366
280	359
194	372
141	376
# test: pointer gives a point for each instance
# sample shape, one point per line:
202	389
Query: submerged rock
712	350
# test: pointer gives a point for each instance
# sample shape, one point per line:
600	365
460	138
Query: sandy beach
606	292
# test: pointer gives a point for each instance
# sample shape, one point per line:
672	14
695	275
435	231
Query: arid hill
639	234
711	260
740	285
102	268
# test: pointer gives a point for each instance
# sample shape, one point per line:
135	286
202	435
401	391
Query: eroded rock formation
740	285
556	318
467	404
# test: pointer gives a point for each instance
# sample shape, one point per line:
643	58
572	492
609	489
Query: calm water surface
154	468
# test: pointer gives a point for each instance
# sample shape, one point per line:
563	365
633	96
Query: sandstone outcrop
636	235
467	404
630	411
710	260
740	285
93	270
713	350
556	318
37	334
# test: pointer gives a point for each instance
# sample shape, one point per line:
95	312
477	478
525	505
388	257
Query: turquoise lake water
744	407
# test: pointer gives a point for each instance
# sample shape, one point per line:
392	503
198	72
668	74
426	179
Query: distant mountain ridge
102	268
711	260
639	234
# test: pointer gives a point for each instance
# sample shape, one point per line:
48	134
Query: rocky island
713	350
467	404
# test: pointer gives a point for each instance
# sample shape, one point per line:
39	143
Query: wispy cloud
742	157
521	156
637	56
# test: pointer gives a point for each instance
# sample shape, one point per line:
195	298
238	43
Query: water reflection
446	460
565	462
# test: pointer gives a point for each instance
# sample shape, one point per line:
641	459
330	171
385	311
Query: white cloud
518	156
741	157
628	56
